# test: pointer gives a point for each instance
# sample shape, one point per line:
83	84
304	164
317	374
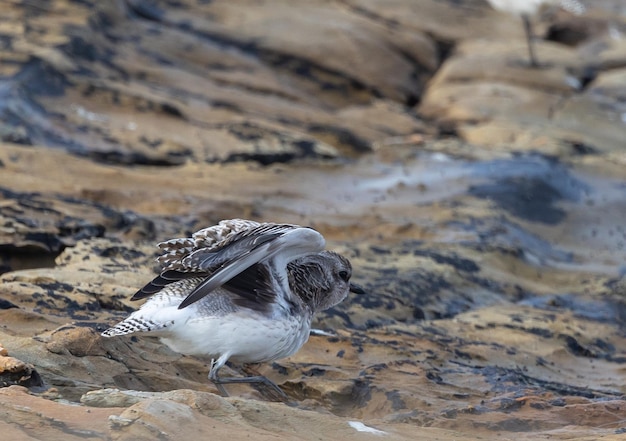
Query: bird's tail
132	325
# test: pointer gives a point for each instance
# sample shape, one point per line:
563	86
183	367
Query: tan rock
79	342
16	372
493	99
31	417
10	364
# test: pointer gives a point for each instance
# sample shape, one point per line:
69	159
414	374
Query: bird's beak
356	289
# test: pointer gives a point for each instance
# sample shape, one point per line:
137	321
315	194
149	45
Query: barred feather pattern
222	233
138	321
131	325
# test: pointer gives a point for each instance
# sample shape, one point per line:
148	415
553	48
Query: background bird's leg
528	29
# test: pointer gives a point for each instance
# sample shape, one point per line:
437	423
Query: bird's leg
215	379
276	394
528	29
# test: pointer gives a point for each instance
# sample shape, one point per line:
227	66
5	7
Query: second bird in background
527	9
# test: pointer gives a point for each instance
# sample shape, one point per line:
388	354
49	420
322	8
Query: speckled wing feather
207	239
175	251
207	260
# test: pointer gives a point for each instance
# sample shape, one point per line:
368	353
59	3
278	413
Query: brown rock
78	342
28	416
16	372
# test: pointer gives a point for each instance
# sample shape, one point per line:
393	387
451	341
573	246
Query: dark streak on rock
576	348
314	372
5	304
397	403
434	376
453	260
507	380
282	370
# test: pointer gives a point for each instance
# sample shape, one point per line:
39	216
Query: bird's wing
253	288
180	257
223	251
280	242
165	278
208	239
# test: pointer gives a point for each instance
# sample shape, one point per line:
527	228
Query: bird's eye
344	275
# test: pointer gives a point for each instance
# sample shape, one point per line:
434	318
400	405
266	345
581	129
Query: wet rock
37	227
508	106
102	275
601	104
203	413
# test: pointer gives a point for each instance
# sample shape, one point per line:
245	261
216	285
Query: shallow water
559	216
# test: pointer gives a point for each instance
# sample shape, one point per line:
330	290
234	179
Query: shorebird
526	9
241	291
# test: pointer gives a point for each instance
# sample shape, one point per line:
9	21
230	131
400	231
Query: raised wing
208	239
226	250
198	256
278	243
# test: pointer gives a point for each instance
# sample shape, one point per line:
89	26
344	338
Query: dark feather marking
183	260
161	281
253	288
209	285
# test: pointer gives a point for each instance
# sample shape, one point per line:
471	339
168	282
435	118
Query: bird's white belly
246	337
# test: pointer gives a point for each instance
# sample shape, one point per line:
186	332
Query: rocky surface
481	203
